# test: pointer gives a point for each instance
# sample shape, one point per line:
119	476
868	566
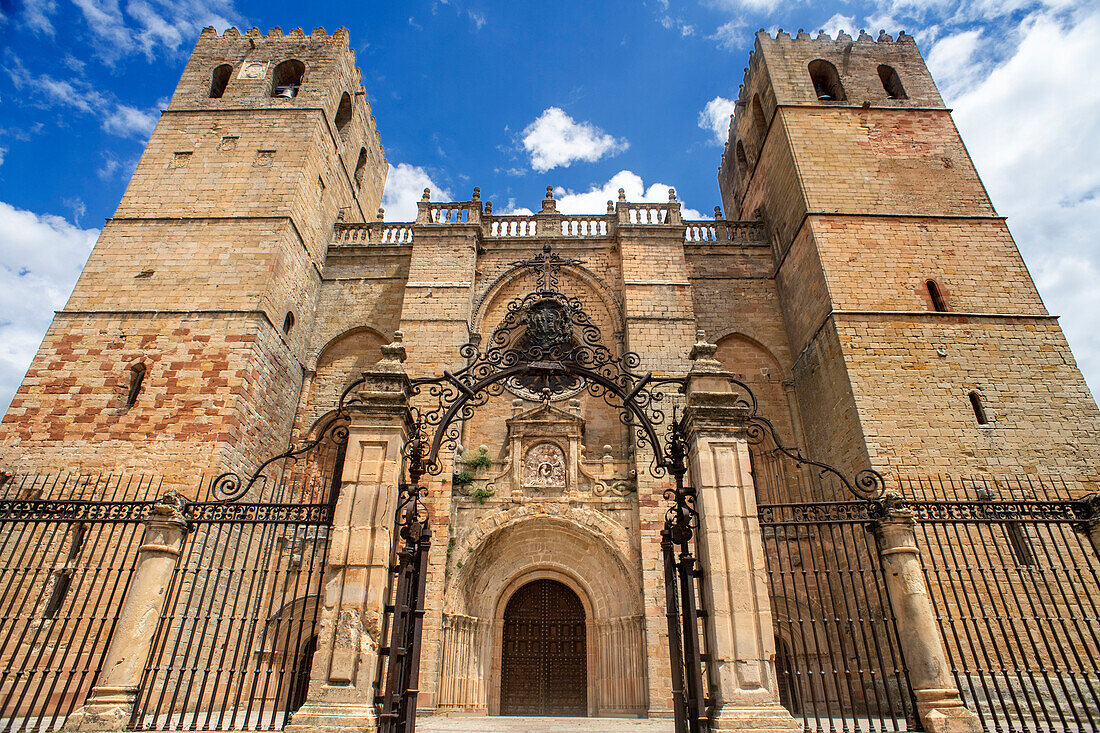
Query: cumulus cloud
152	26
404	187
1031	126
594	200
715	117
41	256
838	23
556	139
127	121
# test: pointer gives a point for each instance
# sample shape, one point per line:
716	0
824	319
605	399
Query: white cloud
477	18
952	64
404	187
151	26
716	118
556	139
126	121
730	36
1031	124
36	15
594	200
41	256
838	23
3	152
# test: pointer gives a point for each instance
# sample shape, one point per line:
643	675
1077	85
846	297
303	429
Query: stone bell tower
919	341
181	350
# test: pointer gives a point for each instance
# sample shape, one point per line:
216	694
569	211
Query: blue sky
515	96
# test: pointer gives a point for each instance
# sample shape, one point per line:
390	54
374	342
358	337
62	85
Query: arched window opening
758	119
979	408
742	160
938	303
826	81
891	82
219	80
360	168
287	79
288	322
343	116
137	378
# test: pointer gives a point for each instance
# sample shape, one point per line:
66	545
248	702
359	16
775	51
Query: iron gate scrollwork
546	347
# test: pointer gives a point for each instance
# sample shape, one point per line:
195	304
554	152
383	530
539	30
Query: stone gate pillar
938	703
111	702
345	664
731	551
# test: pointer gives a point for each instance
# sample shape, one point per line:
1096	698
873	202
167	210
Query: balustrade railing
372	233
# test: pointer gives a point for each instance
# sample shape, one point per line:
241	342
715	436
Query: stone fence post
111	702
731	552
939	705
345	665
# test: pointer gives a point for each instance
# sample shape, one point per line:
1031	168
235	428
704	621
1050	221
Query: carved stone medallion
544	467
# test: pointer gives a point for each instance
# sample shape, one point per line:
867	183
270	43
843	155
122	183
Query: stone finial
477	194
170	507
488	208
701	350
610	207
427	195
883	36
549	193
381	215
863	36
622	194
672	195
395	350
717	213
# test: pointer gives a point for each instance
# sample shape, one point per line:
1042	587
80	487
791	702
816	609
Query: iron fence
67	549
1016	590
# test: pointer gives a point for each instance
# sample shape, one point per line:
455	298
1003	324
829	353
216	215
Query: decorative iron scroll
833	512
229	487
1033	512
241	513
115	512
546	346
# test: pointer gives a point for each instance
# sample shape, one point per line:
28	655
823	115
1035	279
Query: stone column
345	665
111	702
731	551
938	703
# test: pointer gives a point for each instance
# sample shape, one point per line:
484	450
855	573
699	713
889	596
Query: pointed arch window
219	80
891	82
360	168
826	81
759	121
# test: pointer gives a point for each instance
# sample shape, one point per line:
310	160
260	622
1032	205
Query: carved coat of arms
544	467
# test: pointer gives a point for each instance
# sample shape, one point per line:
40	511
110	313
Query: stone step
510	724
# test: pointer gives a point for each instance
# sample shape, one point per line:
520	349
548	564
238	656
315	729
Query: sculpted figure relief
544	467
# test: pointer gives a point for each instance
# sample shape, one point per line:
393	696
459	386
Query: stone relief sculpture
544	467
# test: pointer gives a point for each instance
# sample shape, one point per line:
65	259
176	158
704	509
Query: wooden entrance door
544	667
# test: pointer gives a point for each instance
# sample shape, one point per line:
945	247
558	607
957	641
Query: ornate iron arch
548	345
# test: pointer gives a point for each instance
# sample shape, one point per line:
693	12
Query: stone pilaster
345	665
940	708
731	551
111	702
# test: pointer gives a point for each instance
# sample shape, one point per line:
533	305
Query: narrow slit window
758	120
360	168
288	322
63	577
979	409
1020	544
891	82
219	80
742	159
934	292
137	378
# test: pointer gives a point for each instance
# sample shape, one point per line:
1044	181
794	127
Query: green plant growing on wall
480	493
624	487
479	460
462	478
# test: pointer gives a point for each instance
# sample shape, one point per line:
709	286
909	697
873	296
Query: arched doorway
544	667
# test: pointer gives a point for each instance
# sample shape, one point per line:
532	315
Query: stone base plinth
106	709
334	717
763	718
941	711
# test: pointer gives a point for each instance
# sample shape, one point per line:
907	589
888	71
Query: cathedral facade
857	281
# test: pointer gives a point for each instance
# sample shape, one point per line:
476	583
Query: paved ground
504	724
